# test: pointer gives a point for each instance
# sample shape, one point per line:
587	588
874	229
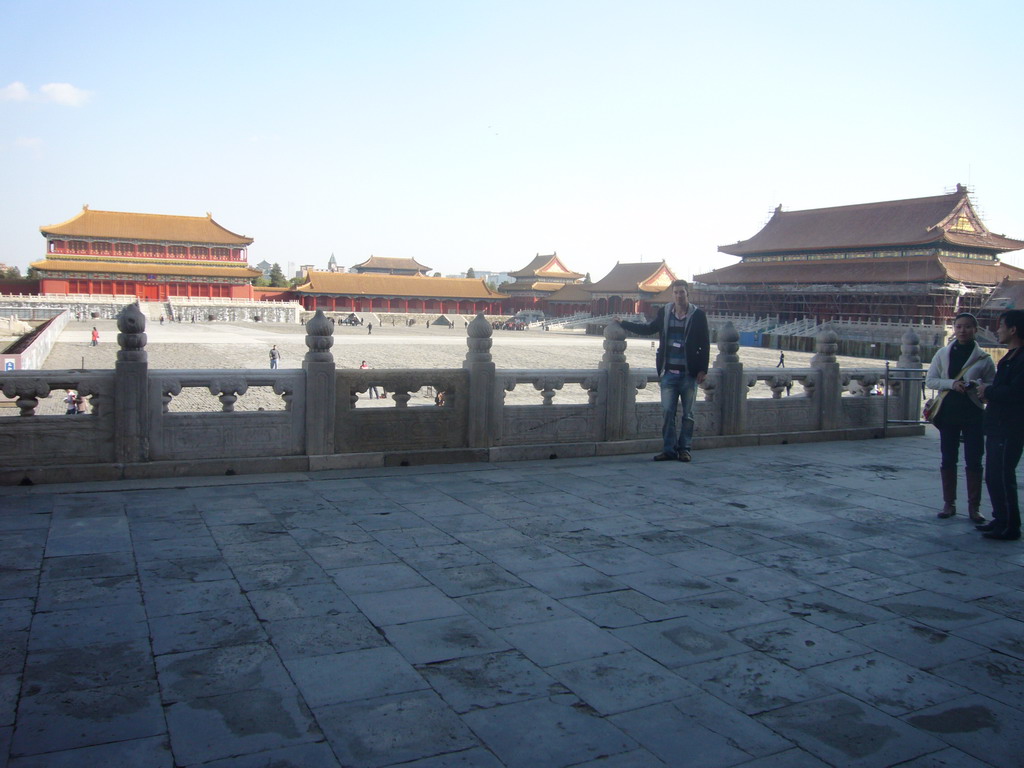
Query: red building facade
150	256
348	292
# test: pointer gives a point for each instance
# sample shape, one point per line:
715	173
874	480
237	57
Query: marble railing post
729	391
909	399
483	422
321	386
620	394
131	387
828	390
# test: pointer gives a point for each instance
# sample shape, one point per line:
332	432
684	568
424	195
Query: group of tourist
74	403
981	404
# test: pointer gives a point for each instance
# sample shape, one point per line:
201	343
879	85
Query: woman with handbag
957	412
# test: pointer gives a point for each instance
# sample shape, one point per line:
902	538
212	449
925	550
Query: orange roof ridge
124	225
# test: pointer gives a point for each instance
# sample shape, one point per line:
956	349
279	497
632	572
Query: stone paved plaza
766	607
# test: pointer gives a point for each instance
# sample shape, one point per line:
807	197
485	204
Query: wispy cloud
64	94
28	142
14	92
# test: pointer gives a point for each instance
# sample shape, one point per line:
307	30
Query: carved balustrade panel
538	424
552	406
186	391
862	411
415	409
208	414
862	382
547	387
186	436
35	428
783	414
776	384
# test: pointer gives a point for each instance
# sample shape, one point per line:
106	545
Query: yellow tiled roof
545	266
538	286
131	268
148	227
571	292
392	263
351	284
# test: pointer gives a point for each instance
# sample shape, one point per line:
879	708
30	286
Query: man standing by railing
684	350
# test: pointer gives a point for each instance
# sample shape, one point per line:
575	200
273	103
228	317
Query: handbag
932	404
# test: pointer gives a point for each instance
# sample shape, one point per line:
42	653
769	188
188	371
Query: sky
481	133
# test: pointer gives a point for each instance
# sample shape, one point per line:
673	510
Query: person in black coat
1004	430
684	350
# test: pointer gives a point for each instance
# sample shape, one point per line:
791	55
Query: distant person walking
955	371
71	402
95	336
369	328
275	357
374	395
782	360
1004	430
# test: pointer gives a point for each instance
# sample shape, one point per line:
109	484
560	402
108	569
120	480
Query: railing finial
910	350
132	337
728	345
614	343
478	339
319	338
825	348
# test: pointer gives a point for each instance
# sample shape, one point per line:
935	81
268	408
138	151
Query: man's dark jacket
1004	414
697	343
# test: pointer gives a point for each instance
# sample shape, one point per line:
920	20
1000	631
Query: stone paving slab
765	607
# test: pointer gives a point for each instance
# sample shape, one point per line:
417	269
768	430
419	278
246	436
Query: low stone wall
78	307
39	349
136	425
190	310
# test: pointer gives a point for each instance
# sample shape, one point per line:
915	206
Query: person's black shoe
1004	535
991	525
664	457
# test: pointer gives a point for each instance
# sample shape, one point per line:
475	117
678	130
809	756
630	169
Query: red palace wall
145	290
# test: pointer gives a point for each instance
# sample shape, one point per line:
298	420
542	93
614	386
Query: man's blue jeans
676	387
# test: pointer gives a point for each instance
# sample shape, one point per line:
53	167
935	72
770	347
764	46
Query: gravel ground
246	345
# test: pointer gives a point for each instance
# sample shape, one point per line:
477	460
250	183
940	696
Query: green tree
13	274
470	272
586	279
261	282
32	274
277	278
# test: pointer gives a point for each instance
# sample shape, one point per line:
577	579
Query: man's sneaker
664	457
685	456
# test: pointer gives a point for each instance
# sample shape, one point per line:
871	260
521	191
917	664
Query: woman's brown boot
948	492
974	480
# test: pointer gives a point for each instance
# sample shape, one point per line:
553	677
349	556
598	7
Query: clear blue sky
477	134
